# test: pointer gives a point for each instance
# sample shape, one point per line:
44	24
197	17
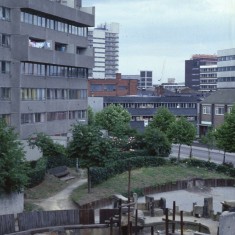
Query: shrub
100	174
37	172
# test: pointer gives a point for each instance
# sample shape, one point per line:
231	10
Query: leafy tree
46	145
157	142
90	147
115	119
181	132
91	116
209	140
225	134
13	165
162	119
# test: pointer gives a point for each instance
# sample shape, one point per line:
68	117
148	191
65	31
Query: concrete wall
31	154
11	203
227	223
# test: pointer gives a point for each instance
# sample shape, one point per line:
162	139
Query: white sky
159	35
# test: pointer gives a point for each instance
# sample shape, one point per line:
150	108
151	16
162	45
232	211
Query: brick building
112	87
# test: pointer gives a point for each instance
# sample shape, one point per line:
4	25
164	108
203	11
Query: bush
100	174
60	160
37	172
13	165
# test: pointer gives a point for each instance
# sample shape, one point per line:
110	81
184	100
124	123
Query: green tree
209	140
13	165
115	119
90	148
91	116
162	119
157	142
225	133
181	132
48	147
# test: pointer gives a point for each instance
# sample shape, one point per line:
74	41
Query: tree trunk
88	180
224	158
191	152
179	153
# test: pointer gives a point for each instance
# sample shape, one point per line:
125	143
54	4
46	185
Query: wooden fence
7	224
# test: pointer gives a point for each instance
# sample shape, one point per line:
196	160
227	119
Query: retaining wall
11	203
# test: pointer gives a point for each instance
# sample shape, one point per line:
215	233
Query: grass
49	187
141	178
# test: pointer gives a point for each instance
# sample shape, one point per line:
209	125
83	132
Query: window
56	94
77	94
6	117
78	114
32	118
4	13
56	116
5	67
52	24
60	47
219	110
5	93
229	109
32	94
206	110
5	40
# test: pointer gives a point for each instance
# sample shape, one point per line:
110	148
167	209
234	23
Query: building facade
44	62
143	108
192	69
146	79
214	107
208	78
112	87
105	41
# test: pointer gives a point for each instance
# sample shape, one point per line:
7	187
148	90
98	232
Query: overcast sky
159	35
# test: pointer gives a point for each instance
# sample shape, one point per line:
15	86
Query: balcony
25	49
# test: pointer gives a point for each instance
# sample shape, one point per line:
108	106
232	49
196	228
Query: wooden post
173	218
136	221
120	216
129	199
167	222
152	230
130	227
181	223
111	226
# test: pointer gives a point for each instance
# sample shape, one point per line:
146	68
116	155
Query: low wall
226	223
11	203
171	186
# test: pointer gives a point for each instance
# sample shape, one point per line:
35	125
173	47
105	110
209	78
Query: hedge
100	174
60	160
37	172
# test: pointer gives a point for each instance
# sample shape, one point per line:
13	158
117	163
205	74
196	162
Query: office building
146	79
44	62
208	78
105	41
192	69
214	107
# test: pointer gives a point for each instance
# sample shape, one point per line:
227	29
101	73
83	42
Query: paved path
62	201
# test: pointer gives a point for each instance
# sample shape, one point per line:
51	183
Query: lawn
140	178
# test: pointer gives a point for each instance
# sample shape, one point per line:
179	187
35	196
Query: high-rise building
105	41
44	62
208	78
146	79
192	69
226	68
214	107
